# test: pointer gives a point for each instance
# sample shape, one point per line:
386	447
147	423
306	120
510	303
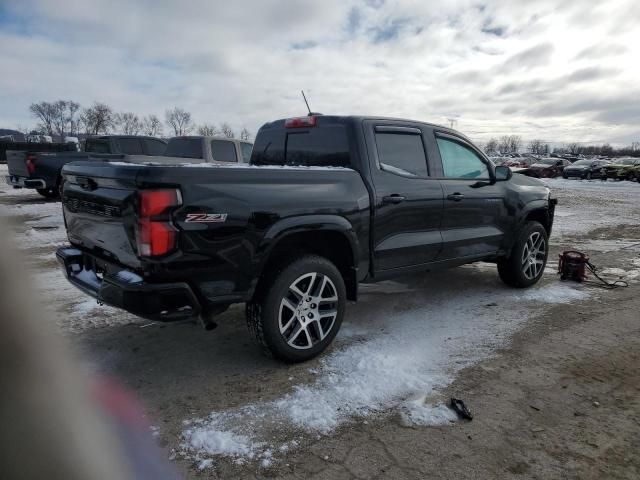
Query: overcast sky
557	70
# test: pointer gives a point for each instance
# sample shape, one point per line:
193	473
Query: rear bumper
127	290
24	182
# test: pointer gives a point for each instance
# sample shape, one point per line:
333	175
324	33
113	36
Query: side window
402	153
459	161
223	151
155	147
246	148
130	146
96	146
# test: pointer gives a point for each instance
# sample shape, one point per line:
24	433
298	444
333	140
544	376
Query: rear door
473	204
408	201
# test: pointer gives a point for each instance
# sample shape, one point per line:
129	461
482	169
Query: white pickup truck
203	149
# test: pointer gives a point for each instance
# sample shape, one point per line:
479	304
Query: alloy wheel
533	256
308	310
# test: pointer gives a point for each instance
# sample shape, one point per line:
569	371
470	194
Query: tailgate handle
86	183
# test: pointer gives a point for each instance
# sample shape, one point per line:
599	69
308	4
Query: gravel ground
548	372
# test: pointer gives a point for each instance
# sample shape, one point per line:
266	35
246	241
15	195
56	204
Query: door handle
456	197
392	199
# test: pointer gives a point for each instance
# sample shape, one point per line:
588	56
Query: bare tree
208	130
129	123
635	146
245	135
504	144
574	148
538	147
227	131
97	119
179	120
44	112
515	142
65	120
492	147
152	126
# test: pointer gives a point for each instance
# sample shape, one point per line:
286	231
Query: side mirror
503	174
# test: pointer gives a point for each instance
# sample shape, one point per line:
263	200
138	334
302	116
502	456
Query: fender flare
303	224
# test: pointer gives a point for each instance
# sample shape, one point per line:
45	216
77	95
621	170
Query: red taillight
156	235
31	164
300	122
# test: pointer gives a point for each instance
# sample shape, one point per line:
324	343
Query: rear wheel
297	312
525	265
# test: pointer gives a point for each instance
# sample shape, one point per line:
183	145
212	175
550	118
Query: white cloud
549	69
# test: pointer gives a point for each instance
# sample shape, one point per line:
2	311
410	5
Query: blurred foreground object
54	425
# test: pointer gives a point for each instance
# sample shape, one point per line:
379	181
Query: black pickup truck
326	203
42	170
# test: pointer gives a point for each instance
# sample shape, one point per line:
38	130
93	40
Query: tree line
68	118
508	144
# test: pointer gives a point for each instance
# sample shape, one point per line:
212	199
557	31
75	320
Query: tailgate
16	163
99	209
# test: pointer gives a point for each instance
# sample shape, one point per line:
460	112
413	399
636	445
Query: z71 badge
206	217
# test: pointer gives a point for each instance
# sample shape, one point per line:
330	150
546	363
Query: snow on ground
587	205
405	351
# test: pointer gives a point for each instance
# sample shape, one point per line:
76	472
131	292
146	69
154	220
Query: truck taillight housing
155	234
31	164
300	122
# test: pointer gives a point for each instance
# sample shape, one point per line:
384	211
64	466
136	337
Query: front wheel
297	312
525	265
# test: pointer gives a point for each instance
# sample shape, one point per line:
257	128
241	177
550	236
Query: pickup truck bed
326	203
42	170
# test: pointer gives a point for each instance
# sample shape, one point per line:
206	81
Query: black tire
265	310
512	268
48	192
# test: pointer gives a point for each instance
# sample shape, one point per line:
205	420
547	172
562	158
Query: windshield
626	161
184	147
583	162
547	161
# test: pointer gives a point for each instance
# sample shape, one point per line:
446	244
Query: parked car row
42	170
618	169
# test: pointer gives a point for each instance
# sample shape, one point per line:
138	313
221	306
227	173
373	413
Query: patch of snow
413	345
419	412
558	292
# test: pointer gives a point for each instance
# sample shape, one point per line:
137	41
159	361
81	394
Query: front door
473	204
408	203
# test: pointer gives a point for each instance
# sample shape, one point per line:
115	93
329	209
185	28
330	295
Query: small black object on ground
461	409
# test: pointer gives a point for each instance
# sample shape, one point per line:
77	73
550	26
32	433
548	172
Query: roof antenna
305	101
310	114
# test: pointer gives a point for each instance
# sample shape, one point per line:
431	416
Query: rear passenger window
155	147
246	151
223	151
402	153
459	161
130	146
97	146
